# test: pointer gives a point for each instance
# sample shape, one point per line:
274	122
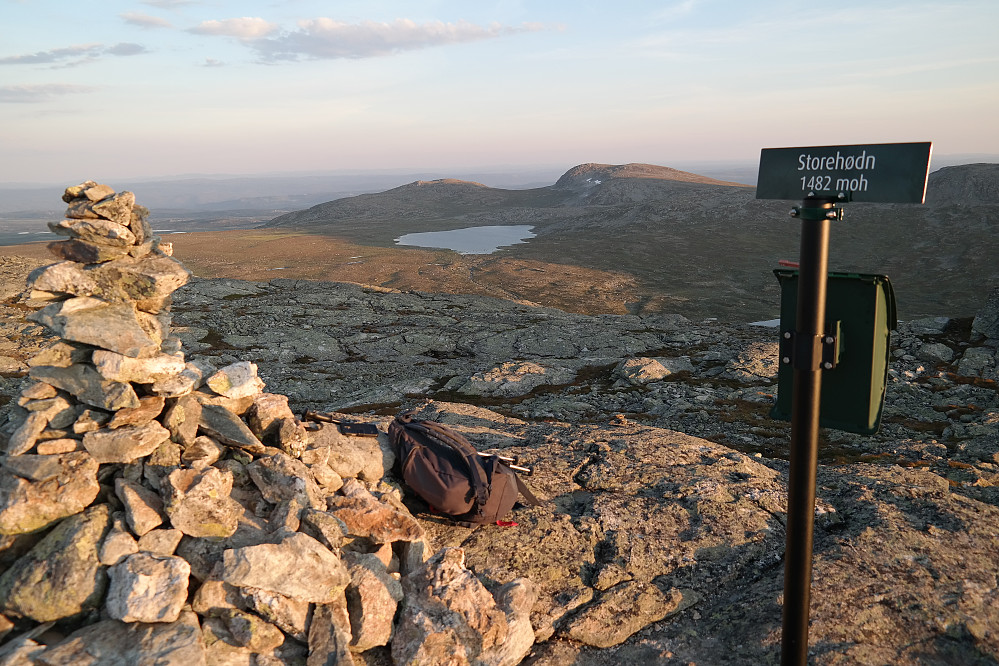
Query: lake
470	240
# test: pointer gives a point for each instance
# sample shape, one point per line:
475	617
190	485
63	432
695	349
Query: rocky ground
662	534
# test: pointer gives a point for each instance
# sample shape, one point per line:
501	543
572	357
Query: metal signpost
822	177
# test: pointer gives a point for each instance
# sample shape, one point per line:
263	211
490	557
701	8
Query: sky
155	88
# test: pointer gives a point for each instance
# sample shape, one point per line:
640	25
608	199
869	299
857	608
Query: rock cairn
158	508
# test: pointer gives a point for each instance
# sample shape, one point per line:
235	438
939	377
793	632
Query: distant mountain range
701	246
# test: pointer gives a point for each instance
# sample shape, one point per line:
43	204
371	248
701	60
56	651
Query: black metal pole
810	324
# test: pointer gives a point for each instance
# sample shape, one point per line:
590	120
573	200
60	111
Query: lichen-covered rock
372	598
61	576
199	504
114	643
620	612
448	615
237	380
297	566
147	588
29	506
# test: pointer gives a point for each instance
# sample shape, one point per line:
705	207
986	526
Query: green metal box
853	392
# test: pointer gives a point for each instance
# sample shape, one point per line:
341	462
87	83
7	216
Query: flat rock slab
87	385
620	612
125	444
224	426
298	567
111	326
114	643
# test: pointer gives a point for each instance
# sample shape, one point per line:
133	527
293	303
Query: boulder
372	598
147	588
125	444
112	326
237	380
28	506
986	322
61	576
198	502
115	643
87	386
297	566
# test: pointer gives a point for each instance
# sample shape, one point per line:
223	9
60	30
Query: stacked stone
164	508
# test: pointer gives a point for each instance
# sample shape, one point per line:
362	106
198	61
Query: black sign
880	172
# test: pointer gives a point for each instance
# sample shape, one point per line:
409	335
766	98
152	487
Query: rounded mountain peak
589	175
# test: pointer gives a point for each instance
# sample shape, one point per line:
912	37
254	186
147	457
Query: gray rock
160	542
367	458
114	643
96	231
182	418
198	502
61	576
117	545
372	598
976	362
290	615
125	444
147	588
112	326
87	385
445	601
935	352
758	360
24	437
120	368
620	612
986	322
329	635
298	567
515	378
28	506
227	428
236	380
143	507
280	477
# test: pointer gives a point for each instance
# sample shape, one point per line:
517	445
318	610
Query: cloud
145	20
28	94
126	49
326	38
54	55
245	28
212	62
169	4
73	55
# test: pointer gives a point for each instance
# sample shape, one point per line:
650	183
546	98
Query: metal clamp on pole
811	352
